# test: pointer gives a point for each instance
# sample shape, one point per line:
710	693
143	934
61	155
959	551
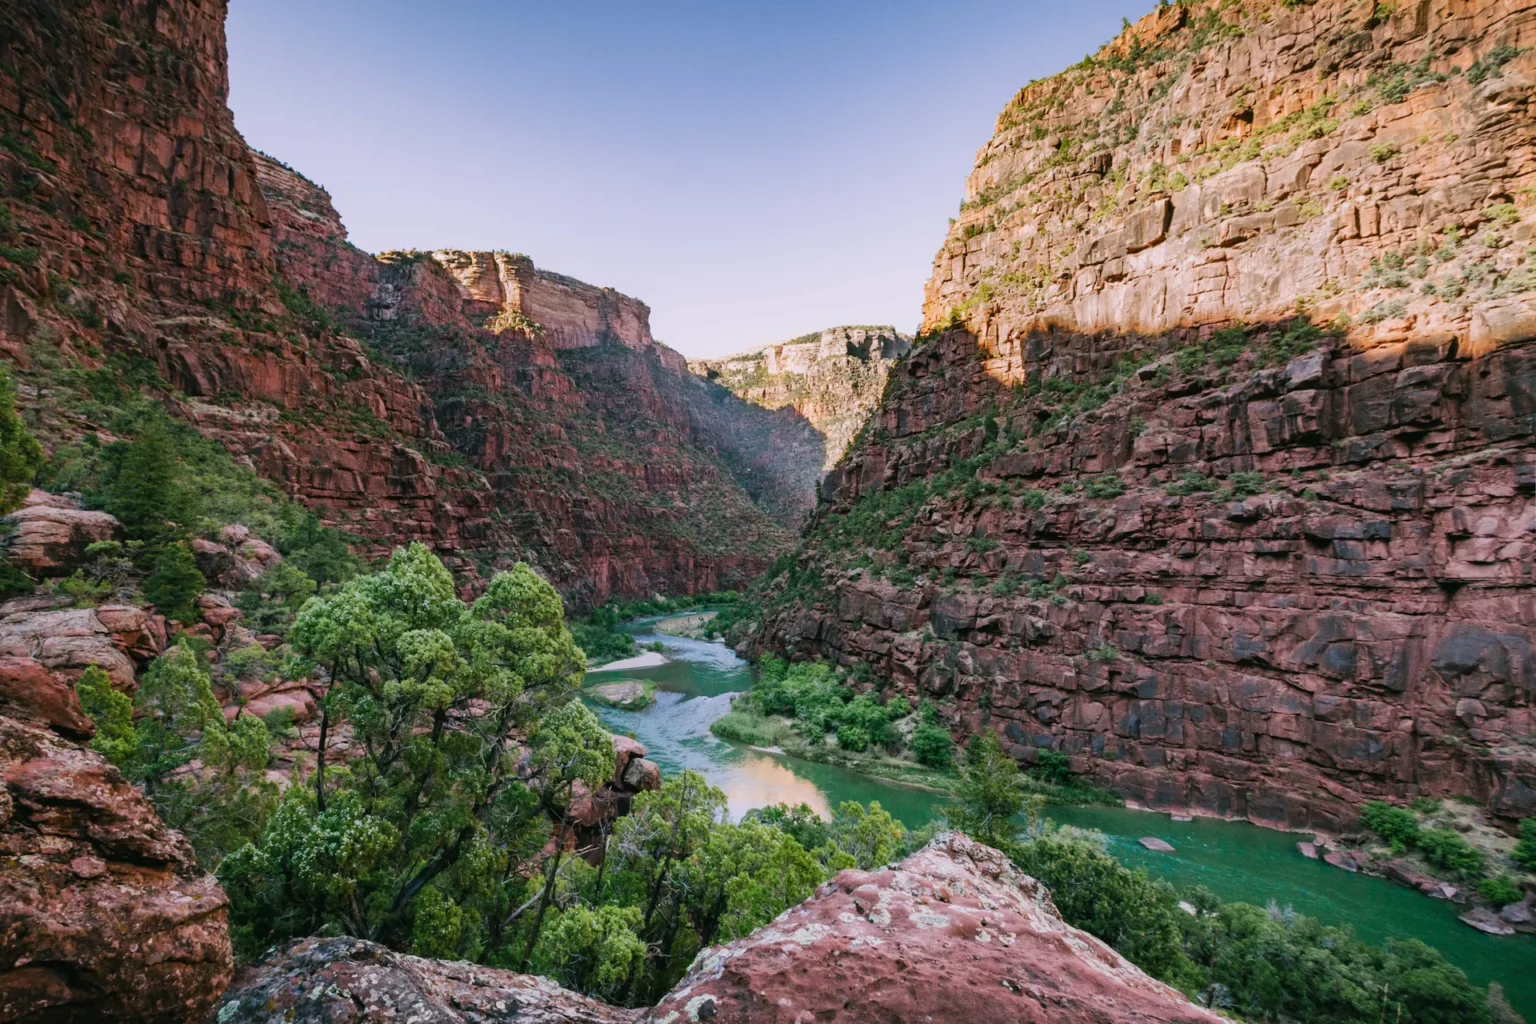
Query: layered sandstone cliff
1262	571
833	378
471	401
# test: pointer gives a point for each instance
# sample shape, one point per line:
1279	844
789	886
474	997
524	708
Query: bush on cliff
1525	851
175	584
1397	825
175	721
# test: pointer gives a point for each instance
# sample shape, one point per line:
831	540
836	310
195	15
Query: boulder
952	933
351	981
106	915
1155	844
1341	860
1485	920
70	640
50	533
1307	850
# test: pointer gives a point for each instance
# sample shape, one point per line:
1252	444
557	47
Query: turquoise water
1235	860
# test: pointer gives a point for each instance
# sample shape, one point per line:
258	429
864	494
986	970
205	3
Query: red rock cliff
403	399
1266	572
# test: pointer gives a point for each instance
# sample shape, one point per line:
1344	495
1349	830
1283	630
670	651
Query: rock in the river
351	981
1308	850
952	933
1342	860
626	694
103	914
1485	920
1155	844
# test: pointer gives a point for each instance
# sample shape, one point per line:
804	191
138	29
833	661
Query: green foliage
931	743
20	454
143	485
112	712
1190	482
1397	825
809	693
1094	892
1106	485
990	795
179	722
272	600
1500	890
1449	851
1054	767
1275	965
174	585
1525	850
429	687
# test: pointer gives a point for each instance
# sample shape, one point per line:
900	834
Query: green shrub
1449	851
932	746
1397	825
1035	498
1054	767
1105	485
1525	850
1190	482
174	585
1500	891
20	454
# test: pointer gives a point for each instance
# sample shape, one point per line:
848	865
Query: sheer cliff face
1221	163
1268	571
469	400
833	379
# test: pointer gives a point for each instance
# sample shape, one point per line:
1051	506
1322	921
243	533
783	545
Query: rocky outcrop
350	981
470	401
1266	572
834	379
50	533
103	912
953	932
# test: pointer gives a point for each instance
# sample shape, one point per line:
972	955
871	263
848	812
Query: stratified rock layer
470	401
103	913
833	378
1046	520
350	981
952	933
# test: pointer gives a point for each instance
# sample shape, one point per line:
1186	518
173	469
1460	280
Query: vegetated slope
833	378
144	247
1267	571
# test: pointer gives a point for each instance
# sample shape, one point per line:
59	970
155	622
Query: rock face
470	401
103	913
50	534
1218	163
1267	572
953	933
350	981
833	378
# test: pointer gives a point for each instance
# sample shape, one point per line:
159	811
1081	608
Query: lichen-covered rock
952	933
103	912
351	981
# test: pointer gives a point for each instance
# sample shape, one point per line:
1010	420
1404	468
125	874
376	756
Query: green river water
1235	860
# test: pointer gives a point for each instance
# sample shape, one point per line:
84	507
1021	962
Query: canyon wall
1214	470
833	378
472	401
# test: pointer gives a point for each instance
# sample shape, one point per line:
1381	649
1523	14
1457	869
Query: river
1235	860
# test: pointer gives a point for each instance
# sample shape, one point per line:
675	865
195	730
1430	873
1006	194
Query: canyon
1213	468
470	400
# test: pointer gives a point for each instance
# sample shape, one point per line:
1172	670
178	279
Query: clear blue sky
753	171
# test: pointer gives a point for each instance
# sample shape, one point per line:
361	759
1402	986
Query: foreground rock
953	933
330	981
103	914
50	534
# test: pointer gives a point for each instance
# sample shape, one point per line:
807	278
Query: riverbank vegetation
1253	963
812	711
601	635
1456	842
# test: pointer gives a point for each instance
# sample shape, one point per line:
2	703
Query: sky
752	171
